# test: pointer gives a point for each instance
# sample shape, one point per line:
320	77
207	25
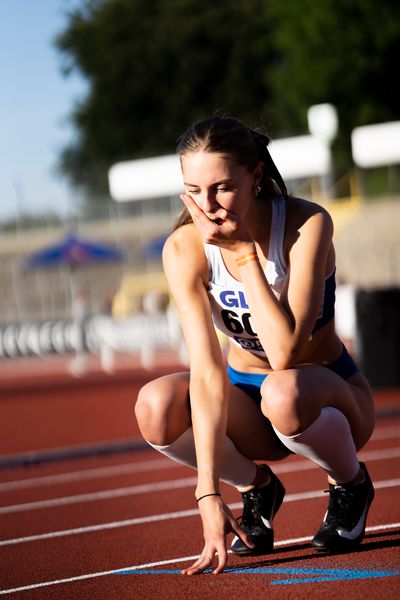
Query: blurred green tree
340	51
154	67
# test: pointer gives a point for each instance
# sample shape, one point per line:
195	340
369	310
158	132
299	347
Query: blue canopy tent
153	249
72	252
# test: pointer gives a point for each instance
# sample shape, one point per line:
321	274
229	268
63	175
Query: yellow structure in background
345	204
341	212
133	288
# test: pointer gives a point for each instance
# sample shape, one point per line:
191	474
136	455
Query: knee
281	402
159	413
150	411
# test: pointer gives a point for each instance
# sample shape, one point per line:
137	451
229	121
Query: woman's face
216	180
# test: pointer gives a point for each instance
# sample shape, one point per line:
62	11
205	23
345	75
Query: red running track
69	527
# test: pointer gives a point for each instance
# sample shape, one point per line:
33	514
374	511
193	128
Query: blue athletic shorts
344	366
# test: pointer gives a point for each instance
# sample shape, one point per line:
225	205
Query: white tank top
229	307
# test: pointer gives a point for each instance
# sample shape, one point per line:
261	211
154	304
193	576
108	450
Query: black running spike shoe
260	505
344	522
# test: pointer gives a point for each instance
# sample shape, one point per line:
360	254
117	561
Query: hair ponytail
271	170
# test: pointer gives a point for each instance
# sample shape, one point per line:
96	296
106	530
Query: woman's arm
284	326
186	270
184	265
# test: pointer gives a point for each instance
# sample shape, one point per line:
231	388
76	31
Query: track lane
92	552
56	555
146	466
33	520
290	551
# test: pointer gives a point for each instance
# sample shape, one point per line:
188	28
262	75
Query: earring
257	190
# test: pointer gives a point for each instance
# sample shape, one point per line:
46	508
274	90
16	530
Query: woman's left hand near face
222	227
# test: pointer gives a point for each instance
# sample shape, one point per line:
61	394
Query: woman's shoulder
299	211
184	250
306	220
182	240
301	205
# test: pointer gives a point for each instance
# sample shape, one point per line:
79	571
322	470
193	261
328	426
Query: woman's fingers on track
201	564
222	559
217	546
207	558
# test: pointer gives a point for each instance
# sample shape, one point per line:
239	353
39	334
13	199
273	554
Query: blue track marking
299	575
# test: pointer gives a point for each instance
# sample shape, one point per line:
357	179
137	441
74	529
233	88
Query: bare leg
163	409
310	407
163	413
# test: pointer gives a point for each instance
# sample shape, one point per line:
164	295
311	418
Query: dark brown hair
226	135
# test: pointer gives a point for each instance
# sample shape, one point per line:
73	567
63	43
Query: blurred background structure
319	77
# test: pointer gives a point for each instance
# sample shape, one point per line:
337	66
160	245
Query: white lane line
86	474
389	483
380	433
385	433
160	563
384	453
102	526
365	456
290	467
103	495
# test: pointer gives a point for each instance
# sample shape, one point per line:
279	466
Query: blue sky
35	101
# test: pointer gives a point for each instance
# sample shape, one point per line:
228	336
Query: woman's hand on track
218	521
